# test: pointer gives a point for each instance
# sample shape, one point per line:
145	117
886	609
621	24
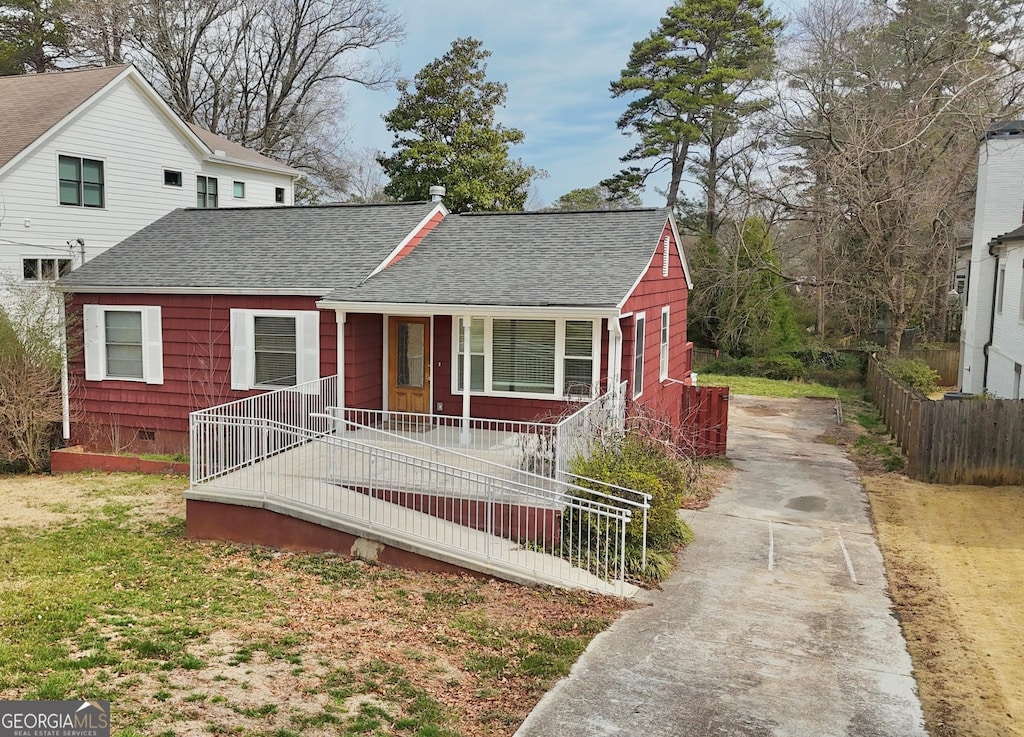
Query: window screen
579	360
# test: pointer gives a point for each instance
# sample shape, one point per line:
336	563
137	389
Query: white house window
80	181
239	190
206	191
476	354
638	354
44	269
579	358
274	348
123	343
524	357
1000	288
1021	315
663	371
172	178
279	195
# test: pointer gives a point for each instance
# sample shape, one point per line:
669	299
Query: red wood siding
651	294
107	415
364	361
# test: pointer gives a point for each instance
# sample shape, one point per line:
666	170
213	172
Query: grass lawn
104	598
774	388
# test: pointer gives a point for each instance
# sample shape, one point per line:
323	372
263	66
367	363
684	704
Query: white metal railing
225	438
588	427
543	528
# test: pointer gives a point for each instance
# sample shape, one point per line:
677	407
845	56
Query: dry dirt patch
40	500
955	561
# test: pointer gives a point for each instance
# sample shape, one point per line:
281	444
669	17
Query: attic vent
664	258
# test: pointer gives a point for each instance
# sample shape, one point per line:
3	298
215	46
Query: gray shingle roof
569	259
1013	235
292	250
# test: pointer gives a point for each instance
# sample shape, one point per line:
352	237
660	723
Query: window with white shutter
274	348
123	343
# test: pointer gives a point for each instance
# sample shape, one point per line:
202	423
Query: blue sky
557	58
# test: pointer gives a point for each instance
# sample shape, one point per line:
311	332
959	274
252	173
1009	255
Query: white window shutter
92	330
153	346
307	348
241	349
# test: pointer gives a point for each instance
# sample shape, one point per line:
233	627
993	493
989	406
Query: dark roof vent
1005	129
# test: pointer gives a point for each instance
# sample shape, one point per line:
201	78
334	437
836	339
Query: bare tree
268	74
885	105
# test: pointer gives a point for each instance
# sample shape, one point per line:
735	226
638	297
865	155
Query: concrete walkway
777	622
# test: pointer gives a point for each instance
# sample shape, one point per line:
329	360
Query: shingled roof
274	250
569	259
34	103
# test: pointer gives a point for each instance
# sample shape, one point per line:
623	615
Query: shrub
913	372
643	465
30	370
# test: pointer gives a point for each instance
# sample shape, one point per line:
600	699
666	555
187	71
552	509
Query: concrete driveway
777	622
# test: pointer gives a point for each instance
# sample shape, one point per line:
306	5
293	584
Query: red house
205	307
314	363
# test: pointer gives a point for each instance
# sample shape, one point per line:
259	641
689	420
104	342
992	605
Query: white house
88	157
992	338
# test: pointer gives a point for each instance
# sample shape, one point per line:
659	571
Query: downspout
65	388
992	313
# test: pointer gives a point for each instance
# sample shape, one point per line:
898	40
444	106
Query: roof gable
35	103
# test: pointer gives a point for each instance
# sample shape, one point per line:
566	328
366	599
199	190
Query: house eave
235	291
429	309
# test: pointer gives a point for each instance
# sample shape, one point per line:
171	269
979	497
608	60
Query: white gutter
420	309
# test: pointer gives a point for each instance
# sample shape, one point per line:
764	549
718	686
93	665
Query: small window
80	181
123	331
239	190
663	372
476	354
44	269
123	343
1022	295
279	195
274	351
578	372
273	348
206	191
172	178
638	355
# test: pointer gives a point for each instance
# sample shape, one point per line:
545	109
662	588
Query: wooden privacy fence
702	357
945	361
951	441
704	420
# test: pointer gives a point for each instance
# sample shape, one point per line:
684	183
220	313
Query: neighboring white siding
1007	349
999	208
136	143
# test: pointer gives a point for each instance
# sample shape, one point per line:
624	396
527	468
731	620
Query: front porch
488	495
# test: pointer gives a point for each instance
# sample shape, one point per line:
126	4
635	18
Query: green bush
645	466
913	372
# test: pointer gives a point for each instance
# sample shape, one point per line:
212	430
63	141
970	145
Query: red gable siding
415	240
651	294
107	415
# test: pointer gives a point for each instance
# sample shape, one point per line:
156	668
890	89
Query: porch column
467	363
340	317
614	354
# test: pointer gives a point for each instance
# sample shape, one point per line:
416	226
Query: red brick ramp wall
258	526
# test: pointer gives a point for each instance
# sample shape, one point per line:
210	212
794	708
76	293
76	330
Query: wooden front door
409	364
